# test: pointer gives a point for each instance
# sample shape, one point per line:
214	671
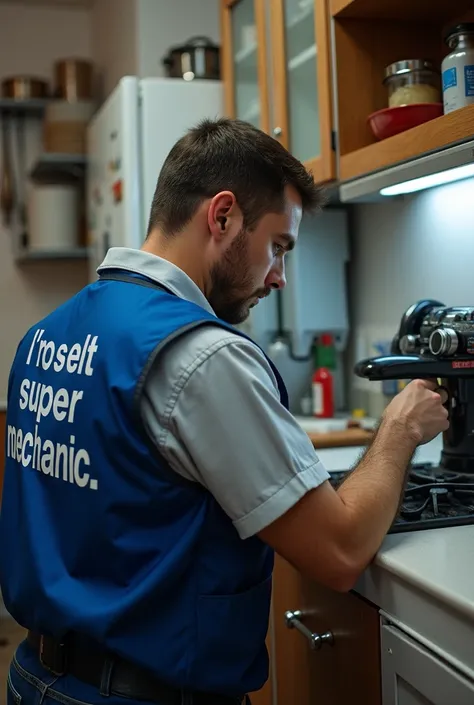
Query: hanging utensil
7	195
21	201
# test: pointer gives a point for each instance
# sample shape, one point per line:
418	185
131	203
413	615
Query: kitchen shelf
427	11
52	166
78	253
34	106
432	136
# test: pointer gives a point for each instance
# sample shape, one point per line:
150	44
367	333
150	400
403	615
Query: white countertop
440	562
423	583
425	580
3	405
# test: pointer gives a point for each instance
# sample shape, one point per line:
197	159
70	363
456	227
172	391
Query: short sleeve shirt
211	406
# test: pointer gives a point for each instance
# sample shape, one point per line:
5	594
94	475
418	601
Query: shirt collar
157	269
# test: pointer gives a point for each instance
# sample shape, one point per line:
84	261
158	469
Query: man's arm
211	406
354	520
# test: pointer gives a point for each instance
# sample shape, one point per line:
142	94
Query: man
152	466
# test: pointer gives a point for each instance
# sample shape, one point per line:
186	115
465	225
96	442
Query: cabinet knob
293	621
277	131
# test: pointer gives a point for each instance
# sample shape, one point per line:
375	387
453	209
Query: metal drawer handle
293	621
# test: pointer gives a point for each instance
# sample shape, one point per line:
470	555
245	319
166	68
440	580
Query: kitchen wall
418	246
114	41
163	24
131	37
31	38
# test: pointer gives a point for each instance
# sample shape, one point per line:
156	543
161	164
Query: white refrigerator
128	141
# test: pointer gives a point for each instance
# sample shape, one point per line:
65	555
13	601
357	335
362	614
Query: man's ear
224	216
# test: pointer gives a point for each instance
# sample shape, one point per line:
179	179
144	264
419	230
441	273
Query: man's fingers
443	394
432	384
435	386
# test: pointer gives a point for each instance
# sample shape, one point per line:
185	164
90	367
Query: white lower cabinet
412	674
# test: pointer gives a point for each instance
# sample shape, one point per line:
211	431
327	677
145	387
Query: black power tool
436	341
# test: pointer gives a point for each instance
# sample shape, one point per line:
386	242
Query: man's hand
419	409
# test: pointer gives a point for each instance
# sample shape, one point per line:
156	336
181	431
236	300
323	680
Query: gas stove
436	342
433	498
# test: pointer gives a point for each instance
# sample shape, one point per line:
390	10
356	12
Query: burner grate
433	498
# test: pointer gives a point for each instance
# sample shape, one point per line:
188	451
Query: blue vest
98	534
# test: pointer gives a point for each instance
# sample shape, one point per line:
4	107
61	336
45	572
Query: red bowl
391	121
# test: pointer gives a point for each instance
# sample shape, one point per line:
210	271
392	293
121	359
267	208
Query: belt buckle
54	657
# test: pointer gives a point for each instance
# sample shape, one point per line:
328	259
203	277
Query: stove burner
434	497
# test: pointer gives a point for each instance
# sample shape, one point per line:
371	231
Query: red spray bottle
323	381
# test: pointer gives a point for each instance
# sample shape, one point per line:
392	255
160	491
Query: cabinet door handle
293	621
277	131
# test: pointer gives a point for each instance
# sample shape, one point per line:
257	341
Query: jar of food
458	68
412	81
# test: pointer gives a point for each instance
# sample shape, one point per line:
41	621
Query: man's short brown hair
228	155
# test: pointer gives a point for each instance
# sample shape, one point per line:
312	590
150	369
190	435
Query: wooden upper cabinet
301	86
244	61
286	63
368	36
277	74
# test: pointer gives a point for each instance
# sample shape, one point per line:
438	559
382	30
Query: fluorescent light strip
444	177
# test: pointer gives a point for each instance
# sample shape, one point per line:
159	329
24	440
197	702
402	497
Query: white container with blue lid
458	68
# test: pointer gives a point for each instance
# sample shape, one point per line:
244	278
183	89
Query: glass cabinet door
248	95
301	83
301	77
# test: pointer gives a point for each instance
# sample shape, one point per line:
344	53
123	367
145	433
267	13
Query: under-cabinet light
424	182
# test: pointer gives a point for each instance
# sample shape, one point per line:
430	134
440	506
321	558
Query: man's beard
231	283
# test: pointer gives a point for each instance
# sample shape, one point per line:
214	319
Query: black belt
111	675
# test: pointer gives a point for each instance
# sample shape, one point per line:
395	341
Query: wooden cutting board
339	439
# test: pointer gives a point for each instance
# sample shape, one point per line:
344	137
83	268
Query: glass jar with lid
458	68
412	81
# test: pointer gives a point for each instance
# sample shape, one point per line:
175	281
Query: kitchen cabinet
414	675
344	671
310	72
244	61
368	35
276	72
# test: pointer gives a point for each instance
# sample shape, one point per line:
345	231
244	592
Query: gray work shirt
211	406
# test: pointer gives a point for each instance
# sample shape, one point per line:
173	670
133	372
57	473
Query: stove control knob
443	342
408	344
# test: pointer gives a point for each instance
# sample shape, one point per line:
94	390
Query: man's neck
181	252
